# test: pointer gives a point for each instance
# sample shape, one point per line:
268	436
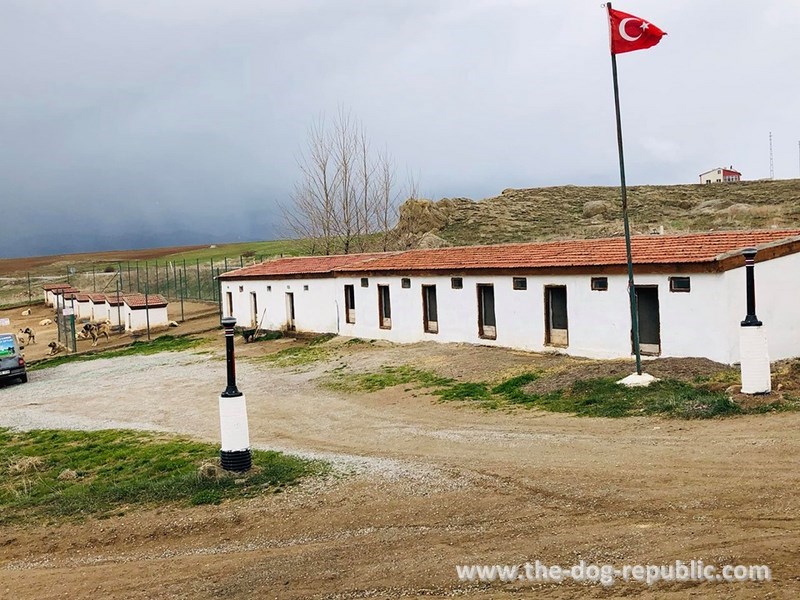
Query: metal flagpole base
235	454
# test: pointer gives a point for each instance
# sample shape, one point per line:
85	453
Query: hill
577	212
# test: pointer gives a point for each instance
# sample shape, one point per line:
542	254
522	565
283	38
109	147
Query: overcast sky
154	122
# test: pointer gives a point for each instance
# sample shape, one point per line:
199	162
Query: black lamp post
235	454
751	320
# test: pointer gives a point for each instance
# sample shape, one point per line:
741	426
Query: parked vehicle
12	365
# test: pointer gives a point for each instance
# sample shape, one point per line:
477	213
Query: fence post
30	296
241	261
72	326
180	274
120	326
199	297
213	285
166	271
130	282
218	287
226	264
94	280
147	310
68	281
147	275
158	284
138	282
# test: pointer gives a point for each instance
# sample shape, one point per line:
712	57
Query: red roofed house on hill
720	175
568	296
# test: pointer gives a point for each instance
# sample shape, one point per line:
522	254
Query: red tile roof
305	265
702	249
646	250
76	295
55	286
98	298
140	301
114	299
67	290
82	297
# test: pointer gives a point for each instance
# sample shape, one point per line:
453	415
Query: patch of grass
297	356
602	397
165	343
321	338
55	473
465	390
387	377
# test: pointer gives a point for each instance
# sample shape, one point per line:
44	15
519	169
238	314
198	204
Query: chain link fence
175	280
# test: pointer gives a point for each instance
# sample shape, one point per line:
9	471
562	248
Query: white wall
136	319
599	322
315	308
777	305
99	311
117	317
703	322
83	310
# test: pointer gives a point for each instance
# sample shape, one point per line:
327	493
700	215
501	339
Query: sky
137	123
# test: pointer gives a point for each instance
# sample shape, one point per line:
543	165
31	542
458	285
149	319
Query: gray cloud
152	118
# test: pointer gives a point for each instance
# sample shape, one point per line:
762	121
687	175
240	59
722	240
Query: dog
56	347
45	322
26	312
30	333
95	330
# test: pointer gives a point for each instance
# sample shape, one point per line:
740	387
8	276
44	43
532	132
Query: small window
457	283
405	282
364	282
269	288
241	288
679	284
600	284
520	283
305	288
350	303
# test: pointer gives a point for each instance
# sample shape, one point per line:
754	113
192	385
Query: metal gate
65	318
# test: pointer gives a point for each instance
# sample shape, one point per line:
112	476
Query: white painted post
753	351
235	454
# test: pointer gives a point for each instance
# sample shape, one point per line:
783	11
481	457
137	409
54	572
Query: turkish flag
629	33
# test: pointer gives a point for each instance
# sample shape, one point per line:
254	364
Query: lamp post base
235	454
754	361
236	461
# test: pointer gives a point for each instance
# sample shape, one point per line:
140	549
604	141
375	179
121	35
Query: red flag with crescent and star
629	33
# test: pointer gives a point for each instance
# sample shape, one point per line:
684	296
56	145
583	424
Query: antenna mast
771	161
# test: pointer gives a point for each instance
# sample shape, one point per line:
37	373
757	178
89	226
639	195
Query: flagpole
626	225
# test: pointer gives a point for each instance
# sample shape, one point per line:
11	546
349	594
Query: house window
405	283
241	288
269	288
430	310
680	284
600	284
364	282
305	288
384	307
487	323
350	303
555	316
520	283
456	283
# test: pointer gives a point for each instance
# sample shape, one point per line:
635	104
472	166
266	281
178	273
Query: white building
143	311
721	175
83	306
49	292
116	309
569	296
99	307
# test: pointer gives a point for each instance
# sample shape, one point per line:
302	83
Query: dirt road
424	486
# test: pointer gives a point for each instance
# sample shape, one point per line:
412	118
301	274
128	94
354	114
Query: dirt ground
199	317
420	487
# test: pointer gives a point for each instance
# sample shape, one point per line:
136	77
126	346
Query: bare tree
345	195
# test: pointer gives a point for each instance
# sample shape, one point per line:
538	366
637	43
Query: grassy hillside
574	212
